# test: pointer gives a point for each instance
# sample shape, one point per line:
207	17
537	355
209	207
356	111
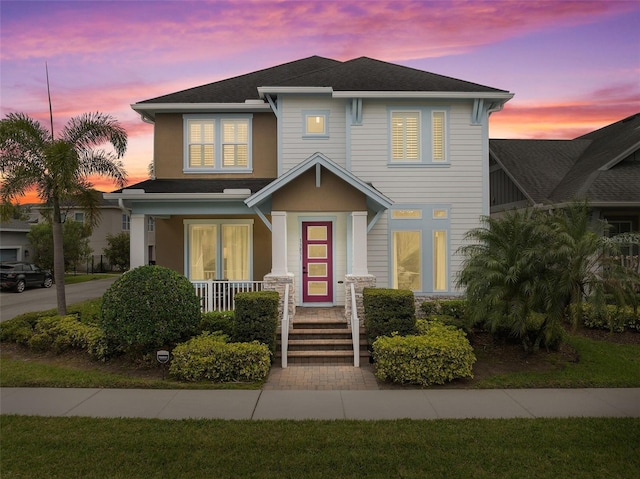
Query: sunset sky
574	66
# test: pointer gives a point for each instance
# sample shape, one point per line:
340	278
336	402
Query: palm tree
584	260
505	274
59	168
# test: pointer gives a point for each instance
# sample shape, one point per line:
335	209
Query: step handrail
284	334
355	328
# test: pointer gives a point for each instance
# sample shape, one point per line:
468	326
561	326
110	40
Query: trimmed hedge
388	311
256	318
218	321
148	308
612	318
438	355
208	357
20	329
61	333
449	311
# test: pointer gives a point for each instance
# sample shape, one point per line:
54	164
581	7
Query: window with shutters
418	137
217	143
405	136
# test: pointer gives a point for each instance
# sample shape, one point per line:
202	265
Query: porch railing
355	328
284	336
220	295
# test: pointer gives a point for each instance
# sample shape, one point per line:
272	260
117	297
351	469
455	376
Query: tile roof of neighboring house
360	74
15	225
603	165
197	185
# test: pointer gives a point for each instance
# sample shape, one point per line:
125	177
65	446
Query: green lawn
140	448
601	364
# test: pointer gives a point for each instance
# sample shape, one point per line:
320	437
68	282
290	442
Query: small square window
79	217
315	124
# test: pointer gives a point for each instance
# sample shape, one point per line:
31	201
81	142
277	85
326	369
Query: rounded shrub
209	357
149	307
439	354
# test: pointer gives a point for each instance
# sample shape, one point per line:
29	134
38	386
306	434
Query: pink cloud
166	32
566	118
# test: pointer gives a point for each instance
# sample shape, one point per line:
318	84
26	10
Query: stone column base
277	283
360	282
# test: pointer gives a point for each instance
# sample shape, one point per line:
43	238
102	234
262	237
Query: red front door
317	262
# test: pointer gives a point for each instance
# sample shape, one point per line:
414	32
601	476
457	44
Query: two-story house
319	174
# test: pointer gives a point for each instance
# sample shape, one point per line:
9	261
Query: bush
61	333
221	321
611	317
256	318
88	312
20	329
449	311
209	357
148	308
441	354
388	311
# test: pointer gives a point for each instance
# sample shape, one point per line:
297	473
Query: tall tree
59	168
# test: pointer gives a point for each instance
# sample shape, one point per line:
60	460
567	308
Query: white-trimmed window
217	143
78	216
219	249
315	124
438	139
405	136
126	223
419	247
151	224
418	136
406	251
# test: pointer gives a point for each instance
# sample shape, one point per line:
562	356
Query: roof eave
144	196
503	96
148	111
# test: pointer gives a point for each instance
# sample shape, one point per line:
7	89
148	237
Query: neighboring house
602	167
113	220
318	174
13	241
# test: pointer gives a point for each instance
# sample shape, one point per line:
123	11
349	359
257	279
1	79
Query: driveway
41	299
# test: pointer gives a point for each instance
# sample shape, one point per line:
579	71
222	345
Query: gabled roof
376	200
603	165
360	77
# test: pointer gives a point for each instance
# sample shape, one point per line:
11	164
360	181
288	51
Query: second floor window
418	136
215	143
405	136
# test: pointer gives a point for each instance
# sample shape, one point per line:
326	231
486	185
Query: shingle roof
244	87
360	74
197	185
367	74
603	165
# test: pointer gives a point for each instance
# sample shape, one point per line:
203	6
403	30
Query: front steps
323	342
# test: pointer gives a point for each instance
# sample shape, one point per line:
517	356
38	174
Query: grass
474	448
33	373
601	364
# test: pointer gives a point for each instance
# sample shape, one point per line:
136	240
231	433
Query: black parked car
17	275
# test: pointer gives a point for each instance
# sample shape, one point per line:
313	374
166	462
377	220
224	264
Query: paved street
41	299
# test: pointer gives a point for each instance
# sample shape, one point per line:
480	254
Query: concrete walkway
306	404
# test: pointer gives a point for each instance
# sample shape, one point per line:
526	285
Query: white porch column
279	243
359	243
138	254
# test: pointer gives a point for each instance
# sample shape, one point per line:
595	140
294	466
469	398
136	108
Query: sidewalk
307	404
